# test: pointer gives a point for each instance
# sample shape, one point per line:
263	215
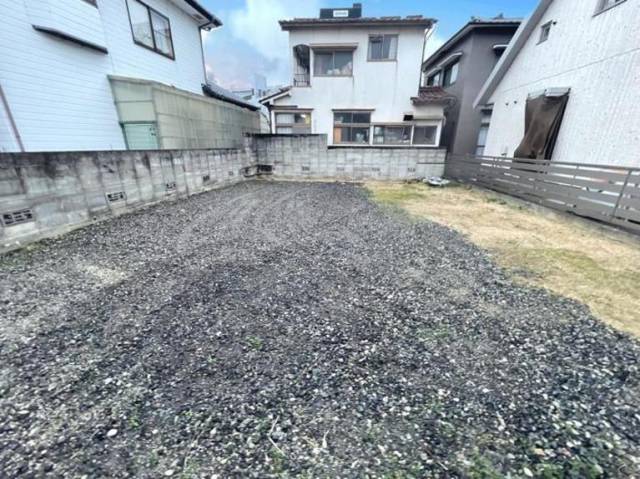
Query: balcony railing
302	79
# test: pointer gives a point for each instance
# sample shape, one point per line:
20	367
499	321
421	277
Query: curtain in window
543	117
140	23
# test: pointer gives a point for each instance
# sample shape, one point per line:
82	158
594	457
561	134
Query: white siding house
57	59
357	80
590	48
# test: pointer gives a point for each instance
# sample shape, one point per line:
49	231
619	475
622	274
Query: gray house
460	67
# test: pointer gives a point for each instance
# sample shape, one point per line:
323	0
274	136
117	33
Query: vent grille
17	217
306	168
206	178
231	173
411	170
265	169
171	186
116	196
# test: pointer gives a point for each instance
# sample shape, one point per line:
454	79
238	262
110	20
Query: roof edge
462	33
515	46
295	23
204	12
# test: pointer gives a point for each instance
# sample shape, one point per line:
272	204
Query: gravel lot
299	330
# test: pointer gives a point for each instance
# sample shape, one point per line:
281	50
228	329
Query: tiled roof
271	95
216	91
412	20
433	94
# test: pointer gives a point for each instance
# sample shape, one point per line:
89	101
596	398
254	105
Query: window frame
333	53
449	68
292	126
424	124
437	76
352	125
485	124
384	126
546	27
602	6
154	48
383	35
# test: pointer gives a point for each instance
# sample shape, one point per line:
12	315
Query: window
351	127
383	47
337	63
450	74
425	135
391	135
434	80
485	122
141	136
288	123
150	28
607	4
545	31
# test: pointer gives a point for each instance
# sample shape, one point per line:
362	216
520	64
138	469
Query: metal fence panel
606	193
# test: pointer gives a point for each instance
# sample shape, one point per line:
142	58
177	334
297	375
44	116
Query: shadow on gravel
298	330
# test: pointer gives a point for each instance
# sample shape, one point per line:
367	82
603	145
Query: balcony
302	80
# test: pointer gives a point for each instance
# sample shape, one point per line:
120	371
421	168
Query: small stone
527	472
169	473
112	433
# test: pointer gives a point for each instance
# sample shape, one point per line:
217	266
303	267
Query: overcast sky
251	40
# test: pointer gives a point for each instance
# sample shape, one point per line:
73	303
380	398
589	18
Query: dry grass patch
570	257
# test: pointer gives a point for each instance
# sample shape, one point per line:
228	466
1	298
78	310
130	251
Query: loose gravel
300	330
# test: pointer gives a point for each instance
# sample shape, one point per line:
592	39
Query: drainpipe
12	122
204	63
427	36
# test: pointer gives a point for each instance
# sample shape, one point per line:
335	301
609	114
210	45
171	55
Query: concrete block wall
309	157
44	194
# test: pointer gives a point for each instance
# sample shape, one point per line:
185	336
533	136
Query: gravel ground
299	330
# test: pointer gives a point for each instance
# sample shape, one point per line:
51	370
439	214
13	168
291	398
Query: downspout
427	36
12	122
204	63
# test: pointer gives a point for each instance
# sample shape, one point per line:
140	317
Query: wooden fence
610	194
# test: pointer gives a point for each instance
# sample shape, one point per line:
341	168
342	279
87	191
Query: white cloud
251	41
434	42
257	24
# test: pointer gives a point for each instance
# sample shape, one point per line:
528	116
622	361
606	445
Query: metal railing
302	79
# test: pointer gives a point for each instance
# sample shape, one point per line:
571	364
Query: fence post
620	196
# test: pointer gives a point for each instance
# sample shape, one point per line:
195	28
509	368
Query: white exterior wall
386	87
59	92
598	57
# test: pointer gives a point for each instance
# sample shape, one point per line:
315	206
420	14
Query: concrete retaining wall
45	194
307	156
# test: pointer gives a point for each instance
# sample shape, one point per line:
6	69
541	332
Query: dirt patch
300	330
570	257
